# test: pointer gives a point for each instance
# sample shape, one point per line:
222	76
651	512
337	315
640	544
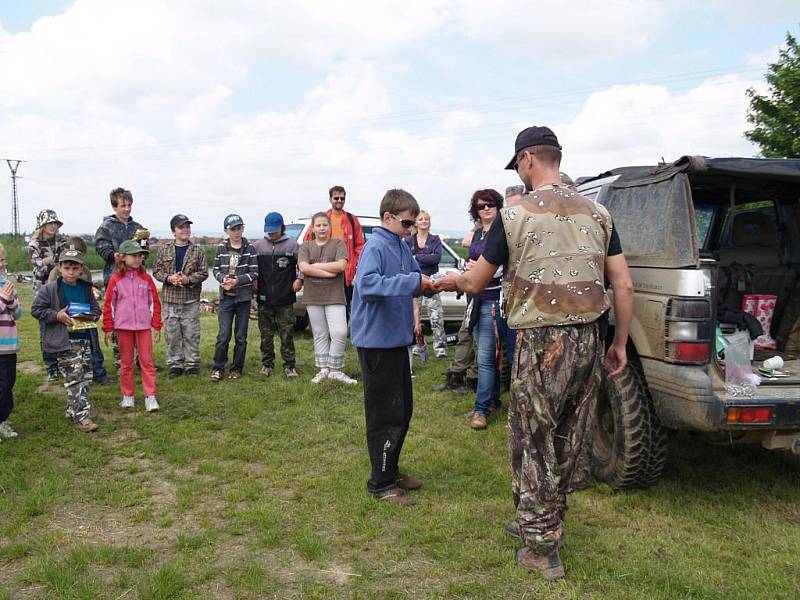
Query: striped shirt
9	313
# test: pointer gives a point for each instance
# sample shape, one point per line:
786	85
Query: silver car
452	305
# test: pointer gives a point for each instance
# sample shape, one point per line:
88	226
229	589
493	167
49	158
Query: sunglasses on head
406	223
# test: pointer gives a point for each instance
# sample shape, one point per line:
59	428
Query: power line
13	165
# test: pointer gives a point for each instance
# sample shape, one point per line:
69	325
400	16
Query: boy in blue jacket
381	329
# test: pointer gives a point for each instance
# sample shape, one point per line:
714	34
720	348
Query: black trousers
8	377
388	404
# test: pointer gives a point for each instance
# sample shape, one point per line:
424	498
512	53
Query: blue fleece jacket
382	312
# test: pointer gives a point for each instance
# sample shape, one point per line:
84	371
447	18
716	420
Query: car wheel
629	444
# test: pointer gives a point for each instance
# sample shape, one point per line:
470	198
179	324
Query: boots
468	385
453	381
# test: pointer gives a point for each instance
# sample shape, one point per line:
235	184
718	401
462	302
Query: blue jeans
98	370
227	311
488	393
50	360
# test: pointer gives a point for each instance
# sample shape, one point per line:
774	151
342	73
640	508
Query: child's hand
157	335
229	283
63	317
297	285
107	337
7	292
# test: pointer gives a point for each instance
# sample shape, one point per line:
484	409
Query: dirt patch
29	367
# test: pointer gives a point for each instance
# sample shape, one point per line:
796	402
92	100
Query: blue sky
265	105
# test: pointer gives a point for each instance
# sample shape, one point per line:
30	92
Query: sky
207	108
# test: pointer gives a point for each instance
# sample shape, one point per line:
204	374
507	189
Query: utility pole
13	165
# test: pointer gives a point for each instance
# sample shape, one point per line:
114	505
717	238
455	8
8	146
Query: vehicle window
448	260
367	229
293	230
704	217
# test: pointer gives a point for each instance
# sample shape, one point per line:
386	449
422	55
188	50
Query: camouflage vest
557	242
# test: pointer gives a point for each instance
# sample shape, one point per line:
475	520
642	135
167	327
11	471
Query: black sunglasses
481	206
406	223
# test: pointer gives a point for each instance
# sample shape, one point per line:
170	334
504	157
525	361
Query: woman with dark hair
487	324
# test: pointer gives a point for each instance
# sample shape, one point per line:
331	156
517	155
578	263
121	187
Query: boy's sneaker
150	404
6	431
127	402
216	375
266	371
319	377
548	566
193	371
291	373
52	376
174	372
340	376
86	425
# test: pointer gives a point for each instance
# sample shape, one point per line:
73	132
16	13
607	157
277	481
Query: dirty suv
702	237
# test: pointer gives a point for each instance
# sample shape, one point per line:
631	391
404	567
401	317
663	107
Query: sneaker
174	372
101	381
127	402
477	421
396	496
319	377
6	431
150	404
404	482
548	566
216	375
441	354
266	371
52	376
234	375
85	425
291	373
340	376
193	371
512	530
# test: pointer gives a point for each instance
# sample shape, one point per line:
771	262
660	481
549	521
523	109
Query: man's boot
466	386
452	382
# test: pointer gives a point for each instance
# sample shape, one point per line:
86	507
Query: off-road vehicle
699	234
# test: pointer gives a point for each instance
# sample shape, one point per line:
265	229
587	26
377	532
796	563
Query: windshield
293	230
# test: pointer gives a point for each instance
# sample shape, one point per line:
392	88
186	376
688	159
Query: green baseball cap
132	247
71	255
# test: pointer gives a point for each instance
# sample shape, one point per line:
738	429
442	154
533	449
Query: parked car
453	304
698	235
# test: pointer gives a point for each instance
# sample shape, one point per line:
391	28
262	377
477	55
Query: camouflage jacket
44	257
557	243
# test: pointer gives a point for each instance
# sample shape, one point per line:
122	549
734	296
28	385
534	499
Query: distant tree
776	115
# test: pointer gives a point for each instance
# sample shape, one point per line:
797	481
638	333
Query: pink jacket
132	302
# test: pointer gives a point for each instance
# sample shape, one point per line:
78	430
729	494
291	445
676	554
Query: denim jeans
98	369
227	311
488	393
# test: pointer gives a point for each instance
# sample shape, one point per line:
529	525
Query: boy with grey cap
73	349
182	267
235	267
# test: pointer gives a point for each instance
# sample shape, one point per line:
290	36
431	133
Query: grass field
256	489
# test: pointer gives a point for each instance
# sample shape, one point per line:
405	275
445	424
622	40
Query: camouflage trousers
280	320
75	365
554	384
436	317
182	328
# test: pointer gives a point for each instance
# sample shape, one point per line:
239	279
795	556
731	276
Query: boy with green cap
56	305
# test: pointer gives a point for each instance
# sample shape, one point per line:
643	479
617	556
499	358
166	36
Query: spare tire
629	444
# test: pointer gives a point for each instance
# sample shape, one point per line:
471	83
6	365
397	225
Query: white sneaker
323	373
127	402
6	431
340	376
150	404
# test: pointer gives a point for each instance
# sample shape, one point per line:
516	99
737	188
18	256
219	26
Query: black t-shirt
496	250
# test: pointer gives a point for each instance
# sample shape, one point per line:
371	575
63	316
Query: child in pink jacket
132	308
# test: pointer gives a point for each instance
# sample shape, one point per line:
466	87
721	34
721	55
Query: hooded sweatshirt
382	312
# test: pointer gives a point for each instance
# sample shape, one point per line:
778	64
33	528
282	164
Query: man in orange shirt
345	227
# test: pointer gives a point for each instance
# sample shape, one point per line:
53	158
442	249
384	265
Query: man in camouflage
558	249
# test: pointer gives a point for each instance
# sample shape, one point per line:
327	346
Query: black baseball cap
533	136
178	220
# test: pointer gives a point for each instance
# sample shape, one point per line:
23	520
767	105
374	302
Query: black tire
629	444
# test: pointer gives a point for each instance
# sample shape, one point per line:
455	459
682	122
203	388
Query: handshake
438	282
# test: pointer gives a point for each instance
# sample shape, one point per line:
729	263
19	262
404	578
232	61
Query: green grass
256	489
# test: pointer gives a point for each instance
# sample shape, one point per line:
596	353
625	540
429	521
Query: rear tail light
687	331
750	414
